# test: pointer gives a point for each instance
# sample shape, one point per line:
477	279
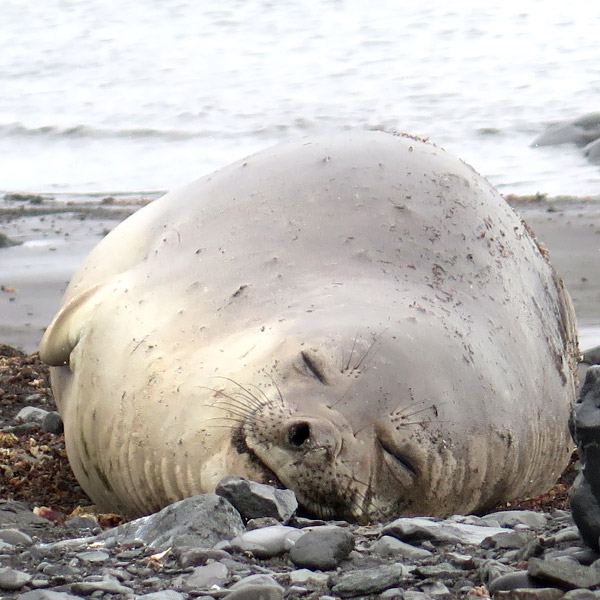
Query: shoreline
55	235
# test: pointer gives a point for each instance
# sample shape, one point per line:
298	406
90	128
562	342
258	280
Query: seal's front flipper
66	328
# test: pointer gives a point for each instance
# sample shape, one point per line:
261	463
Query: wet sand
57	236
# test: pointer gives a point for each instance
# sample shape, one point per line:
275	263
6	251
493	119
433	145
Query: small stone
162	595
440	571
254	500
568	534
14	537
83	523
530	594
507	540
197	557
96	556
512	581
256	587
399	594
202	578
563	573
369	581
512	518
268	541
52	423
388	546
11	579
322	548
106	584
581	595
306	576
31	414
435	589
47	595
408	595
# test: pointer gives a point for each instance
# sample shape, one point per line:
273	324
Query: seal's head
318	431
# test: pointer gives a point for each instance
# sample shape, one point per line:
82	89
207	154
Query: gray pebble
47	595
530	594
322	548
202	578
197	557
388	546
440	571
163	595
512	518
52	423
97	556
306	576
507	539
256	587
11	579
369	581
14	537
106	584
31	414
268	541
581	595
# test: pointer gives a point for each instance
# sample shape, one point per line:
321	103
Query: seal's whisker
362	360
347	367
239	402
237	397
246	390
237	412
412	414
277	388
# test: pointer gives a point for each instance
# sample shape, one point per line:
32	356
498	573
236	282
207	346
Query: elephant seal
360	318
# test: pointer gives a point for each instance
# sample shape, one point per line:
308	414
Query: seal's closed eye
312	363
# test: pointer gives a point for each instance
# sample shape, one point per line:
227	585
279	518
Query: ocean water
111	96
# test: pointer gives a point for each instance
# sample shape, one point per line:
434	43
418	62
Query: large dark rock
585	428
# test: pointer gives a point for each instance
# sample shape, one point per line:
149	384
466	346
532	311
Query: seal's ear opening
64	331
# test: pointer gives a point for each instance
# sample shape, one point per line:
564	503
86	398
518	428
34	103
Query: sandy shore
55	237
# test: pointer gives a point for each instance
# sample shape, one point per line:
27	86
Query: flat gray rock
163	595
48	595
388	546
202	520
566	574
512	518
369	581
11	579
420	529
107	584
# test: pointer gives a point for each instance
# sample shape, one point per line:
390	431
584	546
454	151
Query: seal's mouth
238	441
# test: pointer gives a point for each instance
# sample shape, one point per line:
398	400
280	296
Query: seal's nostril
298	433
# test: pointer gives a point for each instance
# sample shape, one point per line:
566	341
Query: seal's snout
309	434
